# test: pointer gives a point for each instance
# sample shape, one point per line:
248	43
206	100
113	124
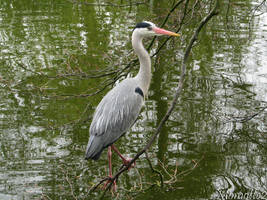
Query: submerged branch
175	98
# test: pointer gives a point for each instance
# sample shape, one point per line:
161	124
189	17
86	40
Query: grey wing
114	115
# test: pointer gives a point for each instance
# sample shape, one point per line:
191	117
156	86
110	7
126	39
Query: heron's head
146	29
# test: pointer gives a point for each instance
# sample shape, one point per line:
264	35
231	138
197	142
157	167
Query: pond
60	57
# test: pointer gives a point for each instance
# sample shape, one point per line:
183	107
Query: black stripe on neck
138	90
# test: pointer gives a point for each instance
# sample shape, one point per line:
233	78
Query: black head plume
143	25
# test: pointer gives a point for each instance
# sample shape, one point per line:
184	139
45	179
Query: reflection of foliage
248	118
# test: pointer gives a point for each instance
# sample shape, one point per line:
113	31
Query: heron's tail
94	148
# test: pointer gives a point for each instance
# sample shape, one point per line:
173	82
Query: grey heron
120	107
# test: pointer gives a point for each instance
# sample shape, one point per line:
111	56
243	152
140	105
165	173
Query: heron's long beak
161	31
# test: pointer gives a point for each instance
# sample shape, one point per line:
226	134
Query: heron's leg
109	161
110	170
125	161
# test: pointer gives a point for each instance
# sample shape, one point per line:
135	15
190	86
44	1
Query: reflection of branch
257	7
164	22
45	197
173	177
70	184
186	172
227	14
174	101
80	75
154	170
116	75
180	25
248	117
253	15
109	4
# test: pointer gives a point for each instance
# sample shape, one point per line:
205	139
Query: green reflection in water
52	50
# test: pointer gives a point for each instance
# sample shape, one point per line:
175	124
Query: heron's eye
149	28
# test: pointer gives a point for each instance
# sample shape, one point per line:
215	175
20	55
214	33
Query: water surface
53	57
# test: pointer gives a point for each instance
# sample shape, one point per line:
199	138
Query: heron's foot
126	162
114	185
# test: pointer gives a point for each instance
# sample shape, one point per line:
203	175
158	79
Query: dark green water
51	51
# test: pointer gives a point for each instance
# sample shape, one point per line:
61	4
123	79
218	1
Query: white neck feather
144	74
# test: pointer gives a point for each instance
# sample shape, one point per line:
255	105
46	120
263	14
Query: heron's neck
144	74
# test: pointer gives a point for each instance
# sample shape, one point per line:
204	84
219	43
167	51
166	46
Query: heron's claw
114	185
126	162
